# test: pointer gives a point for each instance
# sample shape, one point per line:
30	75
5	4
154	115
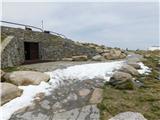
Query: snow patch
83	72
58	77
144	69
24	100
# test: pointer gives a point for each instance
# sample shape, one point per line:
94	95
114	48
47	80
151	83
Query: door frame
28	50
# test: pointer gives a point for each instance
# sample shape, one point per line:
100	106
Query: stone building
19	46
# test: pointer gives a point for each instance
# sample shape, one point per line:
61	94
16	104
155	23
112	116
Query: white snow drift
60	77
144	69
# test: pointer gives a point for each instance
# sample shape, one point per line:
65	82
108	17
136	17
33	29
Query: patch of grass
11	69
145	100
3	36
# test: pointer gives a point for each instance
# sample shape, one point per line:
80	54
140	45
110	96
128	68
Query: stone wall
11	54
51	47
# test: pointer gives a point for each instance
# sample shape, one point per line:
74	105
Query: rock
45	104
122	56
67	59
107	56
80	58
72	97
99	50
121	80
128	116
121	76
129	69
9	92
135	65
98	58
26	77
56	106
114	54
106	51
84	92
96	96
89	112
30	116
2	75
67	115
39	96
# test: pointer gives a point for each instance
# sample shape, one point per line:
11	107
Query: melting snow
83	72
144	69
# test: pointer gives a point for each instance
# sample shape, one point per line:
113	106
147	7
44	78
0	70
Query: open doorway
31	50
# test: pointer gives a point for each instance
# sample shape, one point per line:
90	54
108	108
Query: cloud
126	25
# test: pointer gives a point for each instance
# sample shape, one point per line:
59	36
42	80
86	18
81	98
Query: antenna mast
42	26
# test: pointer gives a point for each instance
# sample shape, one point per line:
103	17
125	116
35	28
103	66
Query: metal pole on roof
41	29
42	26
21	25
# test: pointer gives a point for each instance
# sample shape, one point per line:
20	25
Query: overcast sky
116	24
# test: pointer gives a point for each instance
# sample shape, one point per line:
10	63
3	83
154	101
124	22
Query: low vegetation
145	100
11	69
3	36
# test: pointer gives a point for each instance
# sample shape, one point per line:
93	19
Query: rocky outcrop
98	58
121	80
128	116
114	54
124	78
129	69
135	65
67	59
121	76
26	77
96	96
2	75
9	92
84	92
80	58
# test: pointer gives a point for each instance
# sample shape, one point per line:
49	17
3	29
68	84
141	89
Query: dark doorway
31	50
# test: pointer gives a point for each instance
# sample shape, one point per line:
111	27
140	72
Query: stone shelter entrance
31	51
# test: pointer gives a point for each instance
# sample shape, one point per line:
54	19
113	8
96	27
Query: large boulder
83	92
96	96
80	58
99	50
128	116
129	69
107	56
26	77
123	55
135	65
2	75
67	59
122	76
9	92
121	80
98	58
114	54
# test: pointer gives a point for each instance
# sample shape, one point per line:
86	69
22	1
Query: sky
133	25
